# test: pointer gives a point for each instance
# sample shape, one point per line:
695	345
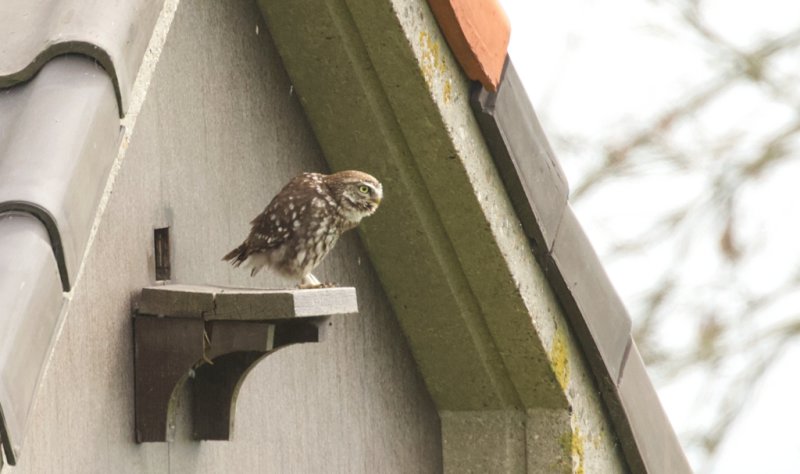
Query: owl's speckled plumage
304	220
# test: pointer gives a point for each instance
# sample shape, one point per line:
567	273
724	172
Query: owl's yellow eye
363	189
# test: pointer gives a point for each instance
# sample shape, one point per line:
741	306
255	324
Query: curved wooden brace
235	347
216	336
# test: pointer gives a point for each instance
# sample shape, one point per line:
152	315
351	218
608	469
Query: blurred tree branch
730	320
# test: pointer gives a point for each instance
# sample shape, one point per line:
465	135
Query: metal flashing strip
538	192
641	409
58	138
115	34
523	156
594	308
31	299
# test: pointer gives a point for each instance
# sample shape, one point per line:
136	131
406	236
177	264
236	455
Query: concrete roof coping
59	135
115	34
454	260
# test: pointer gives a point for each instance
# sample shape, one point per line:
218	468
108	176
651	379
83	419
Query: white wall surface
219	133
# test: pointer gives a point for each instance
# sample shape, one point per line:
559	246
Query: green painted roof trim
446	245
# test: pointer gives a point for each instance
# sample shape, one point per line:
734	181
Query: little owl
303	222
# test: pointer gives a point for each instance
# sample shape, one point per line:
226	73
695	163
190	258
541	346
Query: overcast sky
599	68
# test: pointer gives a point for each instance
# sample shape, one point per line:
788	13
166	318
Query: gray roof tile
58	138
68	68
30	305
114	33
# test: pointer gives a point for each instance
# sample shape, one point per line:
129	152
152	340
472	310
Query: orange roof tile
478	32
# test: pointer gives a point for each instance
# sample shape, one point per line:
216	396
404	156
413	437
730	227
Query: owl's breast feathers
299	209
304	220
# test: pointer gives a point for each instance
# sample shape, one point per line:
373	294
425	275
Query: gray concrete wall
219	132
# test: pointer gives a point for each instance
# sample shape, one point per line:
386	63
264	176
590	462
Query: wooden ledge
216	335
220	303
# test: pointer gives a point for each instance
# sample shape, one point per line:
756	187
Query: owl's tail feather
237	255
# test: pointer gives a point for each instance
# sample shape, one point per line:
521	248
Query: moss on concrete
577	451
559	359
434	66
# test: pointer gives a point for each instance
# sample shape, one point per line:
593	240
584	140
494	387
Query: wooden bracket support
216	335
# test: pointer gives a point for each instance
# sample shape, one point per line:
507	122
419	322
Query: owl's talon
309	281
313	286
